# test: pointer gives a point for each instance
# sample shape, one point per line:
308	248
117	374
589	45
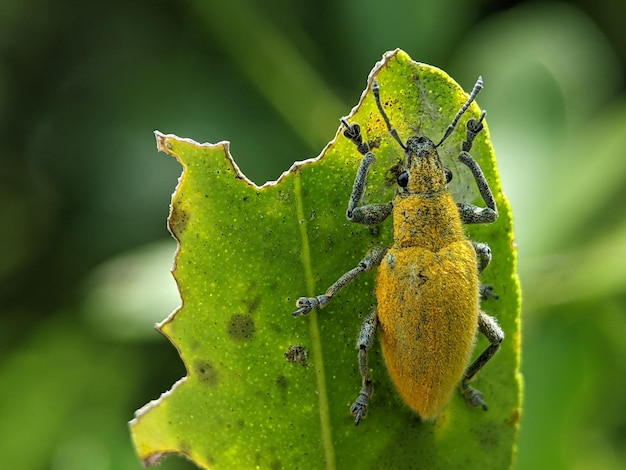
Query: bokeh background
84	250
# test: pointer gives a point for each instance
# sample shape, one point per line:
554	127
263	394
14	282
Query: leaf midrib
316	341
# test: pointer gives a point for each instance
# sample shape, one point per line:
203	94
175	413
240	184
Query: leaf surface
246	253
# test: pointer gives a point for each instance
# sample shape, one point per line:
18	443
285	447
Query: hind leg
364	343
489	327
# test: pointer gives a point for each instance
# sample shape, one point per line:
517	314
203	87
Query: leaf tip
163	144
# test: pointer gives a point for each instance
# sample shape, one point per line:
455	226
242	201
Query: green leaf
246	253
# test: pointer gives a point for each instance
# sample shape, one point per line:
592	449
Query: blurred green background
85	254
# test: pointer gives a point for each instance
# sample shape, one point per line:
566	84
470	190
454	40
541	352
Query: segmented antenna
477	87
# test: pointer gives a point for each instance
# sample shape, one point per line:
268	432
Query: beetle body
427	290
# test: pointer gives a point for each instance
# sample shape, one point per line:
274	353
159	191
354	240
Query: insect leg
372	259
364	343
471	214
486	292
370	214
489	327
483	257
473	128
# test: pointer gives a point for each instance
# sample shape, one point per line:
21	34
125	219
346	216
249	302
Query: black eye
448	175
403	179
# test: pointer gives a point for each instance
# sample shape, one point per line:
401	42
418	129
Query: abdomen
428	313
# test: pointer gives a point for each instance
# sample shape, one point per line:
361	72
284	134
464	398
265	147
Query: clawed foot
474	126
359	407
353	132
473	397
486	292
306	304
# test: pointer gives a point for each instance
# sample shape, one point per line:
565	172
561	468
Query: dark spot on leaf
282	381
253	304
514	418
184	448
374	143
206	372
177	220
488	436
297	354
276	465
241	327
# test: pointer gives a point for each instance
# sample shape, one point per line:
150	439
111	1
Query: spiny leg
489	327
364	343
373	258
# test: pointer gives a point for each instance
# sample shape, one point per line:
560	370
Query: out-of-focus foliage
84	84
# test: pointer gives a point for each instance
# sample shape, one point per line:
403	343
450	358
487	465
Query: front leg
471	214
473	128
372	259
369	214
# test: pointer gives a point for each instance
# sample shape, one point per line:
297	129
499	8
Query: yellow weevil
427	288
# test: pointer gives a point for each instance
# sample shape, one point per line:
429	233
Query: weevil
427	288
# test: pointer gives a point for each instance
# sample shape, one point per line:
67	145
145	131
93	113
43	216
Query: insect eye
403	179
448	175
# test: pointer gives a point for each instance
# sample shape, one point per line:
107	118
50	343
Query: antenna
477	87
392	130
